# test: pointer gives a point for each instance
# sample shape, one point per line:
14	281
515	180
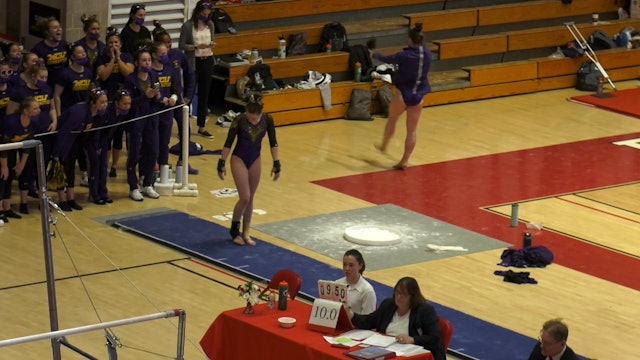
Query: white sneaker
150	192
1	223
135	195
84	181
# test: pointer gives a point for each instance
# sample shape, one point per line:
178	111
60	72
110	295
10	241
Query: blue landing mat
206	240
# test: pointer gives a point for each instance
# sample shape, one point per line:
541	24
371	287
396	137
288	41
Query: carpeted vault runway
621	101
209	241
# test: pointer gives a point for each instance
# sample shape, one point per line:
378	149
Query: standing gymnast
249	128
412	85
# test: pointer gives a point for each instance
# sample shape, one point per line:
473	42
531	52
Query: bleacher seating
541	10
279	9
471	82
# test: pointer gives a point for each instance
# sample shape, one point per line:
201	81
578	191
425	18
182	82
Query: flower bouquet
252	293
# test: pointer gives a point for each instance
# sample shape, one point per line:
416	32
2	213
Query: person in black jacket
552	343
407	316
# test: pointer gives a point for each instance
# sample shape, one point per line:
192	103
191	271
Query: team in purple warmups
78	98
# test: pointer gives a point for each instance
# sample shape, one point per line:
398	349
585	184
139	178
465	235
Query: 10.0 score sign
324	315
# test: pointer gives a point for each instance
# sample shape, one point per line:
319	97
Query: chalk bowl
372	235
286	322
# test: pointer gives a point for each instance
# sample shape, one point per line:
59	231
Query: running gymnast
249	128
412	85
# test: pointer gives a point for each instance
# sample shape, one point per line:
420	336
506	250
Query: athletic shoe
108	200
99	202
24	209
11	214
1	223
74	205
135	195
205	133
112	172
150	192
64	206
4	219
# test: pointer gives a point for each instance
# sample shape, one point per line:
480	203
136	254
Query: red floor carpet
622	101
457	191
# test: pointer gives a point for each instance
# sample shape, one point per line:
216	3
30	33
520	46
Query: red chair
293	280
446	329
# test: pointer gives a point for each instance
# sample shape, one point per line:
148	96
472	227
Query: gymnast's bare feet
380	148
238	240
249	241
400	166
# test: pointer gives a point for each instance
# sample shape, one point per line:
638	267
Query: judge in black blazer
407	316
552	343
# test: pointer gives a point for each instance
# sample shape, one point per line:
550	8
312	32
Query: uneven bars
27	144
87	328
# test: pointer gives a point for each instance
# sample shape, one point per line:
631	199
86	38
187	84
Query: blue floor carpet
209	241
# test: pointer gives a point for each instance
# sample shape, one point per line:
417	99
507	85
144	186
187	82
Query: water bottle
600	89
271	303
526	240
282	47
254	56
357	72
283	294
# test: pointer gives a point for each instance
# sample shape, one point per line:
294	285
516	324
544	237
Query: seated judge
552	343
361	297
407	316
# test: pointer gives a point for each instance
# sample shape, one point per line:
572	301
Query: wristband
276	166
174	97
221	164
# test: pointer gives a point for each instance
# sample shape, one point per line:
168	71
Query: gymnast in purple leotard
412	85
249	128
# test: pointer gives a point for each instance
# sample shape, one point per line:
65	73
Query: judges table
234	335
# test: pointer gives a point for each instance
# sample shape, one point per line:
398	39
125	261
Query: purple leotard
413	67
250	137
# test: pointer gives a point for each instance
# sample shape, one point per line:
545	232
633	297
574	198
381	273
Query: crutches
571	26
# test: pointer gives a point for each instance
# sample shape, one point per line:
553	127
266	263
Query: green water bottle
283	294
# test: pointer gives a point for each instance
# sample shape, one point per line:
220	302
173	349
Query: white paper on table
379	340
358	334
407	349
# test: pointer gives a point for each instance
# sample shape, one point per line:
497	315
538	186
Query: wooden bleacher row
279	9
508	13
267	38
294	106
336	62
521	77
523	39
297	66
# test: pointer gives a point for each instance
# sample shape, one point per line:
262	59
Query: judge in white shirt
361	298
